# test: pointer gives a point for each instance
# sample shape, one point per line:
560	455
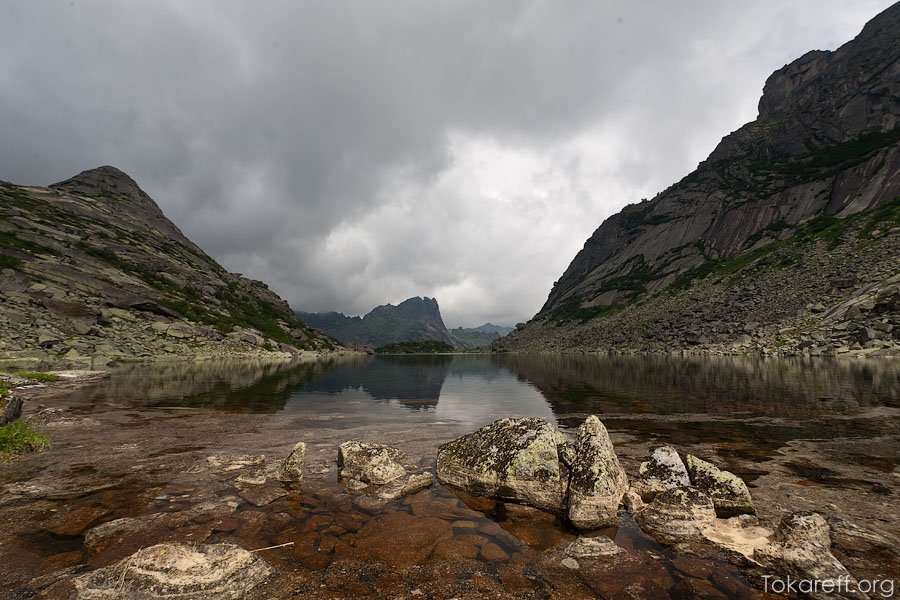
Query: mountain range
784	240
413	319
91	271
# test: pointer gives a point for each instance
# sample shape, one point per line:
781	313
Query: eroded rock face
291	469
729	493
801	548
376	464
665	470
597	481
513	459
677	515
173	570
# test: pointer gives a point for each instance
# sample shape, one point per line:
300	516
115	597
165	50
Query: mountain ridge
93	272
826	145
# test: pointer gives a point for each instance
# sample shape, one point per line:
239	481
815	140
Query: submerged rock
370	463
291	469
405	486
512	459
665	470
374	471
729	493
593	547
677	515
173	570
597	482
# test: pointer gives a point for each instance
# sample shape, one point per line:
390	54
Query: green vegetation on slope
825	229
39	376
18	438
416	347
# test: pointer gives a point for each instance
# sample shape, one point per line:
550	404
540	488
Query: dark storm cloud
354	153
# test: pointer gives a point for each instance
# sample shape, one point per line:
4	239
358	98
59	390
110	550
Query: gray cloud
355	153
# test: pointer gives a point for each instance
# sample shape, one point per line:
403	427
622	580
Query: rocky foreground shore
527	466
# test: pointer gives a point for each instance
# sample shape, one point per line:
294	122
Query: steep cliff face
826	145
413	319
91	271
825	142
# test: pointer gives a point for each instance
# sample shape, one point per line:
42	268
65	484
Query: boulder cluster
531	462
680	500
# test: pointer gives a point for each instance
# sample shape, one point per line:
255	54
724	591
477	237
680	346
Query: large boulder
729	493
801	549
174	570
597	481
375	464
512	459
677	515
665	470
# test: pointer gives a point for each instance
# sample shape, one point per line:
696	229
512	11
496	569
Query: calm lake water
788	397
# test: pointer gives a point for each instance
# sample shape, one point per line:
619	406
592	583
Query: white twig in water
273	547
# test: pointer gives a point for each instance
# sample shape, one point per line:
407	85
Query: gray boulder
729	493
677	515
512	459
665	470
375	464
801	549
174	570
597	481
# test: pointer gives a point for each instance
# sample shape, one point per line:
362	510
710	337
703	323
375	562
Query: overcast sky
356	153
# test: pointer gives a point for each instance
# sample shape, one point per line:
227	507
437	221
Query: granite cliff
91	271
785	239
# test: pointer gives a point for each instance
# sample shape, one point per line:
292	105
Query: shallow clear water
799	431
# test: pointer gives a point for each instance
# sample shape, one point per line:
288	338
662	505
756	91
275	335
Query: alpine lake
805	434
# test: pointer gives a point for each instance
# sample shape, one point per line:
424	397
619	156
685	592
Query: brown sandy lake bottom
128	469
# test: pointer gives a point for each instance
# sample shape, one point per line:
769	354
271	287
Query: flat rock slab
206	572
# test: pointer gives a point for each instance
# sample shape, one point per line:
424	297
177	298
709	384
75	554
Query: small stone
593	547
291	469
571	563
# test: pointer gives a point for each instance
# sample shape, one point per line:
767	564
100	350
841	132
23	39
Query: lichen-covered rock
291	468
513	459
593	547
801	548
375	464
405	486
665	470
729	493
677	515
597	481
173	570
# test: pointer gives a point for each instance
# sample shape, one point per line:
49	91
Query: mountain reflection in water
476	389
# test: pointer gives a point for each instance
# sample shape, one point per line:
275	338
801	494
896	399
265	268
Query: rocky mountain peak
105	181
114	191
